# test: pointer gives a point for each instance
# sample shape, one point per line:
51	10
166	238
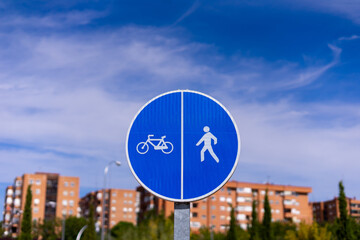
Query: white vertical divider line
182	144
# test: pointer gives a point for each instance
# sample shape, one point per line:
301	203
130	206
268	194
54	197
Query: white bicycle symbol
165	147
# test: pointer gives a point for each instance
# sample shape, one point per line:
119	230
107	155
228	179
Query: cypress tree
266	222
90	233
26	223
254	229
344	229
231	234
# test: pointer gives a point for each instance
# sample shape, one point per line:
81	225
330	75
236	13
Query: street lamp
118	163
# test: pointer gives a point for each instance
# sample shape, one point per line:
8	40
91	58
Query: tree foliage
153	227
254	228
266	222
231	234
50	229
73	226
309	232
26	224
90	233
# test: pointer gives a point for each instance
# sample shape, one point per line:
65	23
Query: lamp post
118	163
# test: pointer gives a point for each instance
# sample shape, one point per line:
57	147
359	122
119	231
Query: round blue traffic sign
183	146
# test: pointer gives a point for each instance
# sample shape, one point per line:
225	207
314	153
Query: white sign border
207	194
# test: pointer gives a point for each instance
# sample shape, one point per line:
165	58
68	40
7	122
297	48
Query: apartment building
120	205
288	203
328	211
52	196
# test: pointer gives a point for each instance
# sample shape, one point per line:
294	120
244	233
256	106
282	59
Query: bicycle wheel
142	148
169	149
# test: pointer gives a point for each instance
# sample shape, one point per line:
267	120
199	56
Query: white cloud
54	20
347	8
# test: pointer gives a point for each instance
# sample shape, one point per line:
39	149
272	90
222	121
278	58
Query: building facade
328	211
120	205
288	203
53	196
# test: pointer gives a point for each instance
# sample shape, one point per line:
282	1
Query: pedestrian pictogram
183	146
208	136
165	147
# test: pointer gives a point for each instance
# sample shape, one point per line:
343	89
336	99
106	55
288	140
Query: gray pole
181	221
118	163
63	229
103	206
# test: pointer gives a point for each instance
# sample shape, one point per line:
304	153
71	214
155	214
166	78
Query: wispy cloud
353	37
193	7
346	8
55	20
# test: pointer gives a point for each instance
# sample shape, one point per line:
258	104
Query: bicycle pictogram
165	147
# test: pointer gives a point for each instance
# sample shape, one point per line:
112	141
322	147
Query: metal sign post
183	146
181	221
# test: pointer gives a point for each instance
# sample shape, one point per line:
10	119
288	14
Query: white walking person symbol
208	136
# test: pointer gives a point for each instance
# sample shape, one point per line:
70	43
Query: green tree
308	232
124	231
254	229
90	233
231	234
345	228
342	227
266	222
49	229
26	224
73	226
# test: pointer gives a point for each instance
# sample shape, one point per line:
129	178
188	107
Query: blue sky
74	73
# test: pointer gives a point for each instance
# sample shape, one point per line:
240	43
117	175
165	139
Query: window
37	191
71	203
31	181
72	184
213	207
222	208
38	182
195	214
113	201
70	212
229	200
114	194
195	205
203	207
130	202
71	193
113	209
17	192
64	203
65	193
18	183
66	184
213	198
130	194
36	201
213	216
203	216
36	209
222	199
240	199
125	195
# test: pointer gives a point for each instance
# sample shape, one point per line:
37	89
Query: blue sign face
183	146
